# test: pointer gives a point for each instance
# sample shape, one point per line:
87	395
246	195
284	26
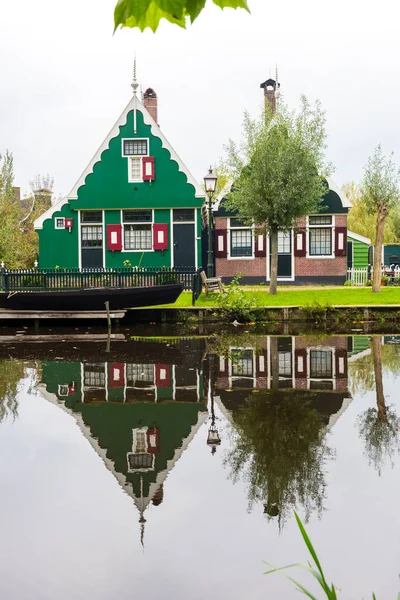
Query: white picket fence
359	277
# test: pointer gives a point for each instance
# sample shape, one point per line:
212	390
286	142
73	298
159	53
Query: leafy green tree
278	171
379	427
148	13
380	190
361	222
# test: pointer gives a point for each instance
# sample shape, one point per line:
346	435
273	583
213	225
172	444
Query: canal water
170	468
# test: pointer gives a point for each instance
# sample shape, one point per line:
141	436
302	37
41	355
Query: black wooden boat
91	298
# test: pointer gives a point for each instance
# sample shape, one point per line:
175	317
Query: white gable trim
343	198
358	237
133	104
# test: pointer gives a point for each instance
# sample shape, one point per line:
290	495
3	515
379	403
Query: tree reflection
11	372
379	427
279	448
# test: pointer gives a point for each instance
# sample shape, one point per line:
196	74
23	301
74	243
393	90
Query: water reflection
11	373
138	416
380	426
281	398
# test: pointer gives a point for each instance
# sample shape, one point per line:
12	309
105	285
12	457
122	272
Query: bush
235	304
348	282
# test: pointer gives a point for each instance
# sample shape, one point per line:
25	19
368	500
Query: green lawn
289	296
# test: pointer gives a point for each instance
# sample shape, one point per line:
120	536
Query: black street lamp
210	183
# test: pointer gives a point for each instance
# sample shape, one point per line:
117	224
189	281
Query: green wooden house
357	250
136	201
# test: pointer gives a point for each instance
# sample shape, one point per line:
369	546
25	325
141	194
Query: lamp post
213	439
210	183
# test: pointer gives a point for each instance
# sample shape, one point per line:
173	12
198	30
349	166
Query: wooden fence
359	277
71	279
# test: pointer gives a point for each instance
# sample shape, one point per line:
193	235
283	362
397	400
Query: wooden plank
28	314
79	337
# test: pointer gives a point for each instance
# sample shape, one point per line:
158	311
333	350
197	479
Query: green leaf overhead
148	13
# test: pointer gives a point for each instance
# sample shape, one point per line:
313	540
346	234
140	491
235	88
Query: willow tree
279	171
381	193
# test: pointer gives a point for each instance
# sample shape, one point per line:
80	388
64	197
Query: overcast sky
65	78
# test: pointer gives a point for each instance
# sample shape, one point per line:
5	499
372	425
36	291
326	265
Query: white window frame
129	157
56	225
123	223
233	377
332	379
322	226
238	228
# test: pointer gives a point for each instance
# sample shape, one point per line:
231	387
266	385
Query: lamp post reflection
213	438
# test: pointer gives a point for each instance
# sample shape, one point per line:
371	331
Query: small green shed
391	255
357	250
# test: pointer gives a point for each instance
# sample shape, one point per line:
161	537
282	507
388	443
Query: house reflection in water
138	416
301	366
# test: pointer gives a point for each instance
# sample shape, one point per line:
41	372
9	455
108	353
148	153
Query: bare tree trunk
273	238
380	225
274	357
380	398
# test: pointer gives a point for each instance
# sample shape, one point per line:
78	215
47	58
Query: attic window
135	147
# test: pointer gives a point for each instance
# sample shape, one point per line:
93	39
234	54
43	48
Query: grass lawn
302	296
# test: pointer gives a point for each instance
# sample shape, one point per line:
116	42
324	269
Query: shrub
235	304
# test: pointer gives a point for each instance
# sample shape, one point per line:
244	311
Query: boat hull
91	299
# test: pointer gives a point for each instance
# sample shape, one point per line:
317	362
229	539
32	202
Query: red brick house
314	252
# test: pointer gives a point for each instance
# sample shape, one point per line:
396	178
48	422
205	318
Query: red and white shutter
163	376
340	241
160	236
300	242
114	237
148	168
116	375
221	237
341	363
260	249
300	364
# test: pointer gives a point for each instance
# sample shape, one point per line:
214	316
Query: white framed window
134	149
59	223
320	236
63	390
284	242
138	229
241	239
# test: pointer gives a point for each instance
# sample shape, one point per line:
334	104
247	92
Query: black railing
197	286
30	280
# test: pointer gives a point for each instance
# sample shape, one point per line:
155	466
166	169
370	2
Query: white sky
65	78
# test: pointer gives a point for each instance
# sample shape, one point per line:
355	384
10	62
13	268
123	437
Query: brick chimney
270	93
151	103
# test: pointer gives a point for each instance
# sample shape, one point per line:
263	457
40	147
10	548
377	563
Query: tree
361	222
148	13
380	426
34	204
279	449
11	373
278	171
380	190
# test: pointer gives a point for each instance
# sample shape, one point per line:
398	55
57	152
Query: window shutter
114	237
160	236
163	376
148	168
300	242
116	375
341	363
340	241
153	440
300	364
261	364
260	249
221	237
223	367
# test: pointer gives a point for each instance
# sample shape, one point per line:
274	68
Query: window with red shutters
300	242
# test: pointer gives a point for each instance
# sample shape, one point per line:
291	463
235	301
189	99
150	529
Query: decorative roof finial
134	83
142	522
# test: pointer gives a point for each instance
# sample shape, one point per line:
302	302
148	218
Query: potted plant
384	280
